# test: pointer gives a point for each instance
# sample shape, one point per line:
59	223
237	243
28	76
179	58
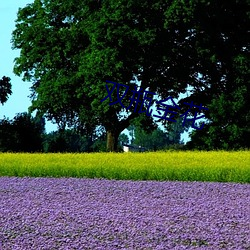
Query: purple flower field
68	213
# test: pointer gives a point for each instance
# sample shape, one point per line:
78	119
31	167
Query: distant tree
27	133
175	129
123	138
67	140
100	143
54	142
5	89
22	134
155	140
6	135
131	130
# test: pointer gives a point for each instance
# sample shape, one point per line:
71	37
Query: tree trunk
112	141
114	129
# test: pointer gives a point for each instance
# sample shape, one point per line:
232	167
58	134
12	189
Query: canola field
213	166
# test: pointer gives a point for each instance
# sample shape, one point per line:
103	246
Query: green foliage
123	139
70	140
6	135
175	129
5	89
22	134
62	141
155	140
99	145
217	32
69	48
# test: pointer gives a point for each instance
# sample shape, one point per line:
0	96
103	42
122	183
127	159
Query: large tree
218	33
70	48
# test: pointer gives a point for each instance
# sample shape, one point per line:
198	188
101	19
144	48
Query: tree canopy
5	89
221	40
22	134
70	48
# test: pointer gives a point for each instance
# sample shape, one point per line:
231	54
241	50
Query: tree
99	144
131	129
218	34
123	139
155	140
22	134
175	129
5	89
6	135
70	48
71	140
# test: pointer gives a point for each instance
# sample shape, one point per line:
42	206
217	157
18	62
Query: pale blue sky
19	101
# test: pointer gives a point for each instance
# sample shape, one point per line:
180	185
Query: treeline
22	134
25	133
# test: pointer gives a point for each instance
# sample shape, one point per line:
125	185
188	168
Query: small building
133	148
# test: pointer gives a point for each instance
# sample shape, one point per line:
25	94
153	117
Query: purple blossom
68	213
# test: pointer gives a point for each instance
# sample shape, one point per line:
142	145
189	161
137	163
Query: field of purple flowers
68	213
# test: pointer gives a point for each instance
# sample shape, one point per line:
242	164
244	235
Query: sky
19	101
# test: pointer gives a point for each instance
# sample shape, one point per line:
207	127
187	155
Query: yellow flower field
221	166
